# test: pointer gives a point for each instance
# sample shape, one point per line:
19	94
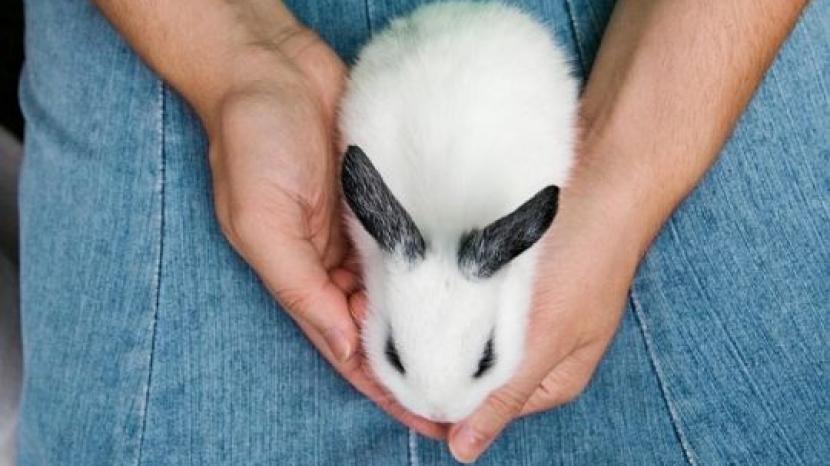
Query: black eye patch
392	356
487	359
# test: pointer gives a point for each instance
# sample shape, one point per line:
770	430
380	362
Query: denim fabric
147	340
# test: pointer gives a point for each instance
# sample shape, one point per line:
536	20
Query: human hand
274	161
586	265
661	115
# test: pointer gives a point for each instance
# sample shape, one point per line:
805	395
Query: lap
146	337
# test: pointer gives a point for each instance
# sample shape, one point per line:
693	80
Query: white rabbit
460	120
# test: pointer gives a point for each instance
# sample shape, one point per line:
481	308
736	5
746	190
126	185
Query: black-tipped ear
377	209
483	252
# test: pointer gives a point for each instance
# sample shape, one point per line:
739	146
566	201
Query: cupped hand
274	160
586	265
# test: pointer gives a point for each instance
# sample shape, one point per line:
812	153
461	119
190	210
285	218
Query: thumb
469	439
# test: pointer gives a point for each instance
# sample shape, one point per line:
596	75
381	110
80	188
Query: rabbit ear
483	252
377	209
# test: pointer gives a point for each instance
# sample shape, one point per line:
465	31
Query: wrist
618	202
263	68
207	49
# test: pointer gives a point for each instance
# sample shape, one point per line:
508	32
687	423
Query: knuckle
507	402
558	390
293	302
300	303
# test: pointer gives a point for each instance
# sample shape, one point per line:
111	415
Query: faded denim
147	340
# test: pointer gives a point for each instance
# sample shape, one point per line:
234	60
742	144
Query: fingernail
339	345
467	445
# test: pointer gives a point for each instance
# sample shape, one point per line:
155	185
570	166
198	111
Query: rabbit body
464	111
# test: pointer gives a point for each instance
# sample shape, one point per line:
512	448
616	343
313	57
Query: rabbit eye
487	359
392	356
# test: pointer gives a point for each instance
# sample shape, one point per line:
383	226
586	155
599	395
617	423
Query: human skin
669	82
266	91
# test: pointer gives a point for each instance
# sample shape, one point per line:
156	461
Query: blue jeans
148	340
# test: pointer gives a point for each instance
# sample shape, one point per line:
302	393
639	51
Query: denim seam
413	448
160	107
688	453
569	8
368	10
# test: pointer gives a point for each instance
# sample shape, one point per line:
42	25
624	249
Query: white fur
466	110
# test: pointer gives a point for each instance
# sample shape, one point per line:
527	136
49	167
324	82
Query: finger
292	271
351	262
346	280
565	382
473	435
470	438
358	306
336	248
354	371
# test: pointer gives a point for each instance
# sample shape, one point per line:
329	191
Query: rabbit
460	125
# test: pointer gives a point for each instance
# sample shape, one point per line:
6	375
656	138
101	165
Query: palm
581	287
275	165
